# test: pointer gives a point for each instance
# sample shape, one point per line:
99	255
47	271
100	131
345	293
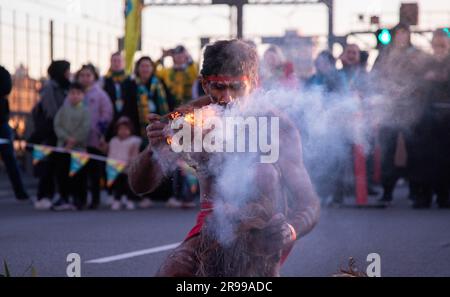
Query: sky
90	29
165	27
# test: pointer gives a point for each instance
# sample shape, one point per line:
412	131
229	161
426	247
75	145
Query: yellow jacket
179	82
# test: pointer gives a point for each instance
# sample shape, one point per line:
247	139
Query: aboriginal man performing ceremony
252	212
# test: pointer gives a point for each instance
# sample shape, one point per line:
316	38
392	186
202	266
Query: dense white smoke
330	124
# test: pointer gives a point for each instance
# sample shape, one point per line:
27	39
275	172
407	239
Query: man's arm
304	205
193	104
144	173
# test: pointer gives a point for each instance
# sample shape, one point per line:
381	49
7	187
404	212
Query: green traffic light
446	30
384	37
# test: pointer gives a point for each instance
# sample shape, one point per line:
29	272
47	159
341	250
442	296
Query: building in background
300	50
82	31
33	32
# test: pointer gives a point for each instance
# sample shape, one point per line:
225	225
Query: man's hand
273	238
155	129
144	172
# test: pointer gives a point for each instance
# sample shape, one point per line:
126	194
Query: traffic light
384	37
446	30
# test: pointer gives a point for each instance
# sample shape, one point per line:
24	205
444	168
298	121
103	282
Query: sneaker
62	205
116	205
129	205
174	203
146	203
43	204
37	205
109	201
59	202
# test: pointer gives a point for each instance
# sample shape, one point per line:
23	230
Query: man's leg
117	188
390	172
442	181
45	171
62	167
94	168
79	189
182	262
370	165
9	158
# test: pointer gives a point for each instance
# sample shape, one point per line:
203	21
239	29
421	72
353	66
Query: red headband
225	78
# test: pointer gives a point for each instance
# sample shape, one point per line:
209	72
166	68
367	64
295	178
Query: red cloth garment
206	208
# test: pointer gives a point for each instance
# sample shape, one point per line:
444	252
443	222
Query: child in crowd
123	147
72	124
101	111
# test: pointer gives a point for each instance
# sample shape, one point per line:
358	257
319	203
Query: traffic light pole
239	4
331	37
379	30
240	20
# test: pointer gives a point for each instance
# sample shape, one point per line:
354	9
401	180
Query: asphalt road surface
134	243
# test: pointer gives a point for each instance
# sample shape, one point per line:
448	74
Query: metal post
65	41
231	20
14	39
240	20
1	35
41	48
87	46
27	44
77	46
99	37
330	6
52	53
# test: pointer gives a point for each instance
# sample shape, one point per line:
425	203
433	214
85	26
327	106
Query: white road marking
135	254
